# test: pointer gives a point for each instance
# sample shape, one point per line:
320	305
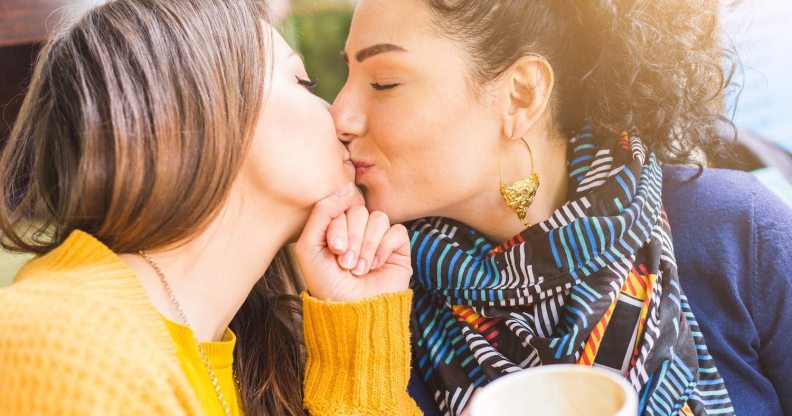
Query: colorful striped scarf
595	284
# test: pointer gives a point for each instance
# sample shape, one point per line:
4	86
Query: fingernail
348	260
361	268
375	264
345	190
338	243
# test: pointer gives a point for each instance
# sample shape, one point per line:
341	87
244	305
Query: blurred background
760	101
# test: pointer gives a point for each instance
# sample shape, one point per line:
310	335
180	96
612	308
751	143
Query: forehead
281	48
400	22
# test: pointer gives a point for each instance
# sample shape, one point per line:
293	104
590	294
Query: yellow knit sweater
221	358
79	336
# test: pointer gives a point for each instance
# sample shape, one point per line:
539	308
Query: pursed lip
361	168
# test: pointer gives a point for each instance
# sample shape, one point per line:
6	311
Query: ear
530	83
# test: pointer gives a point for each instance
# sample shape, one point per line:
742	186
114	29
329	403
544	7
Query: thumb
325	211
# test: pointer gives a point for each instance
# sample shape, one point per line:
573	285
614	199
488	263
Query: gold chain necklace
183	317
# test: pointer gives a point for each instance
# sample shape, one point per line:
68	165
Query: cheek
295	156
321	154
439	155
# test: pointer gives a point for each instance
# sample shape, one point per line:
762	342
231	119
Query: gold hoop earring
520	195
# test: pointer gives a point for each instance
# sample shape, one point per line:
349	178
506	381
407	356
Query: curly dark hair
655	66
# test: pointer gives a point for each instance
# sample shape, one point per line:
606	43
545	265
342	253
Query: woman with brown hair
166	152
534	148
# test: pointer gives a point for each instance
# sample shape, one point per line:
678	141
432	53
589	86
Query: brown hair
654	66
137	120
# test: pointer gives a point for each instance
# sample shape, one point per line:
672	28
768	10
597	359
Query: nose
349	115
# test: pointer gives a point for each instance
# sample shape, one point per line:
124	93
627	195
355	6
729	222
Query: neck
212	274
488	212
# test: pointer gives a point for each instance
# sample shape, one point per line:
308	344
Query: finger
378	224
395	241
337	235
325	211
357	217
358	198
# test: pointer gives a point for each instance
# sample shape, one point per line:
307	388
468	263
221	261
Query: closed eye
383	87
307	83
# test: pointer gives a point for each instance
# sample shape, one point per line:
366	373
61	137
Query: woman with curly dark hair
593	107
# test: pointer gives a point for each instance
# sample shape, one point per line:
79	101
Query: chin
395	211
335	182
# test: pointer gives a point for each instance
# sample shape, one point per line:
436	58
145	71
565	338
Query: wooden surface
15	68
29	21
24	24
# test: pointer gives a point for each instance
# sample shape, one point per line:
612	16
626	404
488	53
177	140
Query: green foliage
319	35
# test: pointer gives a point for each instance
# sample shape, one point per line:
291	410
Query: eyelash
381	87
307	83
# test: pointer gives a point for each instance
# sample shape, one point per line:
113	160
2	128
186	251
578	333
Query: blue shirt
733	246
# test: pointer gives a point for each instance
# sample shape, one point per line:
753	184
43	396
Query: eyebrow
366	53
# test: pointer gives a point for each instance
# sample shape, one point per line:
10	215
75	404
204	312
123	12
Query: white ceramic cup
562	390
